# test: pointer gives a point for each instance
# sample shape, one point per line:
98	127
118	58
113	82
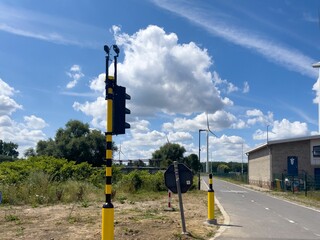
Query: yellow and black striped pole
211	219
107	225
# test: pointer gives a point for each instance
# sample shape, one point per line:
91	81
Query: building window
316	151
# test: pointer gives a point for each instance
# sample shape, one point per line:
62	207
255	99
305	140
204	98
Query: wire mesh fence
301	183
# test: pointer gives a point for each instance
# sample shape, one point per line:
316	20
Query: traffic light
119	110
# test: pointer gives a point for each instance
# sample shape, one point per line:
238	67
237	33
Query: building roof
273	142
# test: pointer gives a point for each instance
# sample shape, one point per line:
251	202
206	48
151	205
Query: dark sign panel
185	175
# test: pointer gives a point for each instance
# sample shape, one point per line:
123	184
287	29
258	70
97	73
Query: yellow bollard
107	228
211	219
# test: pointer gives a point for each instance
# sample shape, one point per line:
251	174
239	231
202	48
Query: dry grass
135	218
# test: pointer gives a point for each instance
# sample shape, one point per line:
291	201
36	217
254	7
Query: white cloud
161	75
224	84
166	76
96	109
316	88
217	121
283	129
25	134
75	74
20	133
98	83
140	126
256	116
246	87
34	122
5	89
179	136
8	105
224	148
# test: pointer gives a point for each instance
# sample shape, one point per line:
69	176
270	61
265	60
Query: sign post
176	172
178	179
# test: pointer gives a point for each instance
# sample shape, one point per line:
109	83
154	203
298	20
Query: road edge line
226	221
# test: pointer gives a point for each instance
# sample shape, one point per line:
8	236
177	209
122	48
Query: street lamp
207	164
199	184
317	65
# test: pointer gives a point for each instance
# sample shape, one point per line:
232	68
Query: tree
193	162
30	152
223	168
168	153
8	149
76	142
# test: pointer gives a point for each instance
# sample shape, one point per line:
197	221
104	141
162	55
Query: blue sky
243	65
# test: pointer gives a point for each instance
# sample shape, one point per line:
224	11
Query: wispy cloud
79	94
49	28
275	52
75	74
310	18
301	113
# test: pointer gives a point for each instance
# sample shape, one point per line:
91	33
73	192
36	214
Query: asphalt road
256	215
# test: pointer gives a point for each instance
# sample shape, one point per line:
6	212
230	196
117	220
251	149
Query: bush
46	180
141	180
39	188
57	169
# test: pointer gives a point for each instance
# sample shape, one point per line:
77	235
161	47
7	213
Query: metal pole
199	183
305	184
242	159
319	103
107	225
207	166
176	172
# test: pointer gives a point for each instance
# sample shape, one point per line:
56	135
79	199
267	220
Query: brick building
289	157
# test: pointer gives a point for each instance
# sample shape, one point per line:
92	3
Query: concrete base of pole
186	233
212	222
168	209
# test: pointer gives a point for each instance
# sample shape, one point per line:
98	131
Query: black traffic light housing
119	110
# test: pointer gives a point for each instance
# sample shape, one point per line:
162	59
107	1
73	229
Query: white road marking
290	221
233	191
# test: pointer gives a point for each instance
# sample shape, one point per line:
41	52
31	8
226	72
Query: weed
85	204
11	218
20	231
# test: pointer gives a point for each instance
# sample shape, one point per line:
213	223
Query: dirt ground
133	220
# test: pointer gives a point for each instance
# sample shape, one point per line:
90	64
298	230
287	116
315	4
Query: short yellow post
211	219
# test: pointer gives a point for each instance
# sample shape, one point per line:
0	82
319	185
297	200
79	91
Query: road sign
186	178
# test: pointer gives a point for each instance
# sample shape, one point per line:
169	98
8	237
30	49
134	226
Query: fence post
305	184
211	219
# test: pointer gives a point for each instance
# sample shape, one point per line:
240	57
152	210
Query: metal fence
235	176
298	183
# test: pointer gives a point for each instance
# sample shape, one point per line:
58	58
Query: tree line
77	142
